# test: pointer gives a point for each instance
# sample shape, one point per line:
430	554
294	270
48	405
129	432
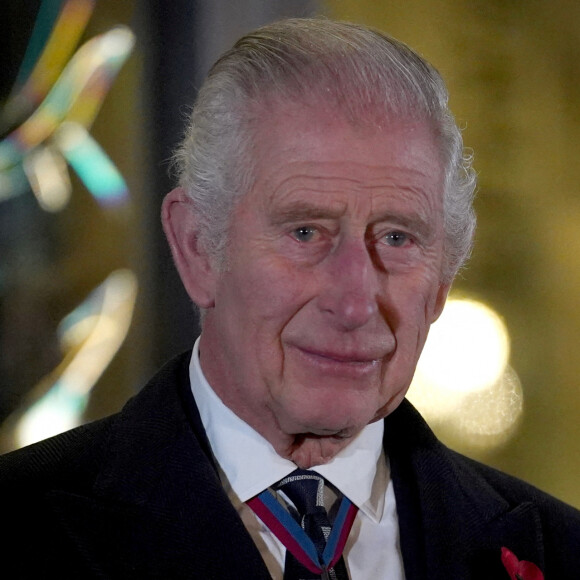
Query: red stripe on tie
344	532
287	539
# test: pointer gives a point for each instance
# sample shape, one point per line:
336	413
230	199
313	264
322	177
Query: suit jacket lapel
452	522
167	516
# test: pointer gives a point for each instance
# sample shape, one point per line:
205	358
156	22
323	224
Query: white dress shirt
248	465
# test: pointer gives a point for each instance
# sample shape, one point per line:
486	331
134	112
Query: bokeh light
464	384
90	337
468	348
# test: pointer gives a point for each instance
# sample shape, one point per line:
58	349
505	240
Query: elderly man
324	208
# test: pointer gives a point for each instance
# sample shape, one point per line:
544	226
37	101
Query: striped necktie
313	546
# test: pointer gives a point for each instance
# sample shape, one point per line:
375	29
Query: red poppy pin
519	570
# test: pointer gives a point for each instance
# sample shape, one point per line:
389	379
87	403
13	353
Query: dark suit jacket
137	495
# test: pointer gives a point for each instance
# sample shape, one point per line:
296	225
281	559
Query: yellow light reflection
92	334
77	95
467	349
463	382
67	31
48	177
489	415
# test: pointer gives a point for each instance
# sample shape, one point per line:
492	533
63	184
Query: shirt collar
250	464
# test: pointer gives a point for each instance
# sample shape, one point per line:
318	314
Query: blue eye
304	233
396	239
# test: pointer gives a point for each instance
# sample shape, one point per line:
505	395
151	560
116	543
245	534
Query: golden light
467	349
464	384
91	336
48	178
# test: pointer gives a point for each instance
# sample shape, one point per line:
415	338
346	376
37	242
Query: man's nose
351	291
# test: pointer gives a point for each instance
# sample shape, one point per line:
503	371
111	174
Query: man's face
333	274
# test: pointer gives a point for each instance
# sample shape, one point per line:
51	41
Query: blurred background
93	96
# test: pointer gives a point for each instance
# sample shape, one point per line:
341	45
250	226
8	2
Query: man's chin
339	427
309	449
337	431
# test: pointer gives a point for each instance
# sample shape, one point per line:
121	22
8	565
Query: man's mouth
349	362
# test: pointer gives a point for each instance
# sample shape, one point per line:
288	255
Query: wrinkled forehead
361	121
361	109
298	148
311	131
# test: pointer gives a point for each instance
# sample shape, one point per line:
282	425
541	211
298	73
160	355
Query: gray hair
363	73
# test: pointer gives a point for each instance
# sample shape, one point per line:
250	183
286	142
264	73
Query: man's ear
195	267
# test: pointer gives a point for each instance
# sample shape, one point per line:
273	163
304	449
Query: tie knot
305	489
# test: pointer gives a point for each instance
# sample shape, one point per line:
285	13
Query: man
324	208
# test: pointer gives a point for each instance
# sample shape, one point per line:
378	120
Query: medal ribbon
295	539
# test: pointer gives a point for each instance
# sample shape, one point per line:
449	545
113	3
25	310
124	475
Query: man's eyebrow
304	211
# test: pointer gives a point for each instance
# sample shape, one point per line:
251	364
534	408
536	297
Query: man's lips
355	358
341	361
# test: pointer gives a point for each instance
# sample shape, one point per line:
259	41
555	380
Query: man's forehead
312	187
309	150
316	131
337	185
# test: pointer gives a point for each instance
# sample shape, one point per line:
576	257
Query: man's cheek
286	292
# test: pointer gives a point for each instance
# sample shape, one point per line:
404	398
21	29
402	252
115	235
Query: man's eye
304	233
396	239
